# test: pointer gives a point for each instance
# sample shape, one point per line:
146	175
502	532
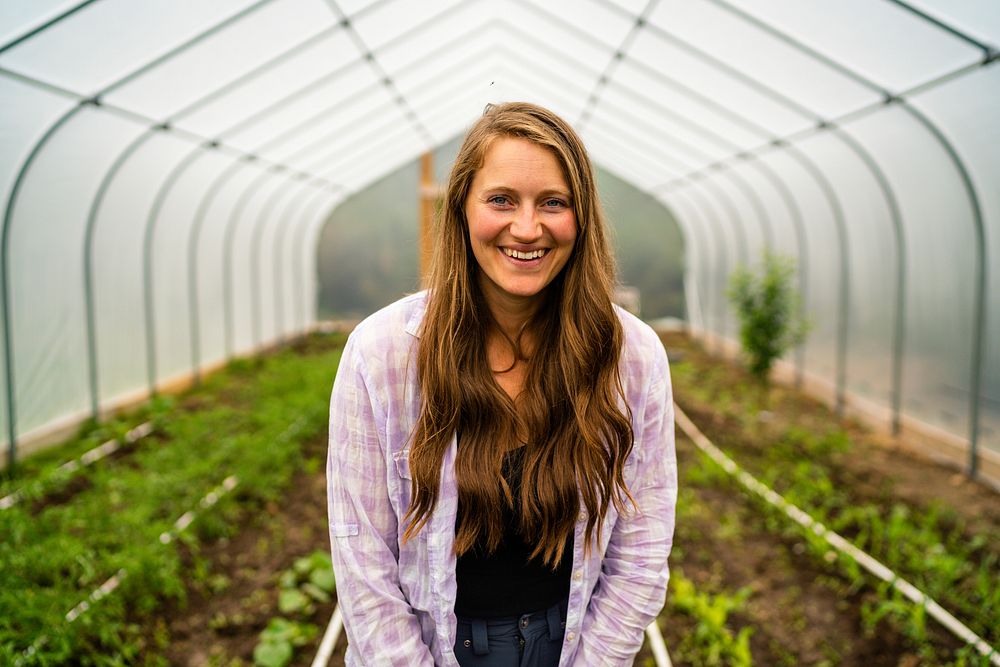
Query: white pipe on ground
329	641
751	483
657	645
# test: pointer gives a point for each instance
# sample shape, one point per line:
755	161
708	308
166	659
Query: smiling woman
521	224
501	469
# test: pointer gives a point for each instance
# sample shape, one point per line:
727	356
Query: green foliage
278	639
712	642
767	305
309	580
931	546
249	421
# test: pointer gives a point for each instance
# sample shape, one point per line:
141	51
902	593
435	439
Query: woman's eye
499	200
555	202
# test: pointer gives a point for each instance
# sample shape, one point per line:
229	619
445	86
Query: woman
501	471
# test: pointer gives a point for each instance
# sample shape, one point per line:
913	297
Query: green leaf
315	592
272	654
293	601
324	579
288	579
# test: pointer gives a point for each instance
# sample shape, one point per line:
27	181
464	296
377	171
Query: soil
801	611
222	628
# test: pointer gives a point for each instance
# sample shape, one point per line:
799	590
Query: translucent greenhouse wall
166	167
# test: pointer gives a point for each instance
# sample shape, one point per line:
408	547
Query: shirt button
578	575
570	636
583	517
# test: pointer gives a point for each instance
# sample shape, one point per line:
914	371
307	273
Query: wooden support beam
430	193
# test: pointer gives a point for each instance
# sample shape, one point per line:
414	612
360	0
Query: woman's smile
522	225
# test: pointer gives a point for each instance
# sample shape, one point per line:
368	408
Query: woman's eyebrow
545	192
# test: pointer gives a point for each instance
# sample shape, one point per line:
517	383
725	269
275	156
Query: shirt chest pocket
401	460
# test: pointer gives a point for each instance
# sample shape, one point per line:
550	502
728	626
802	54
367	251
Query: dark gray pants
528	640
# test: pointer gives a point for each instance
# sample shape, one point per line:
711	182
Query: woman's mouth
525	255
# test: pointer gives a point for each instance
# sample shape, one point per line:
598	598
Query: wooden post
428	201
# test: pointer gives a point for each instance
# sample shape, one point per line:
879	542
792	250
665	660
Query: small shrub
767	306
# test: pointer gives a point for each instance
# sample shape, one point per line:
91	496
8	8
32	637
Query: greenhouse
173	173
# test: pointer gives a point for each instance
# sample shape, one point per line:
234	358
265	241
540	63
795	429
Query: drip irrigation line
657	645
115	580
330	638
862	558
88	457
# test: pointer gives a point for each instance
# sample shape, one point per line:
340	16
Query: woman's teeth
517	254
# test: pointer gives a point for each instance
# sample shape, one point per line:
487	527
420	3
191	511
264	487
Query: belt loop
480	640
552	616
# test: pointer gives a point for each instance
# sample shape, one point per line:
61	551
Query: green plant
767	305
309	580
278	639
251	422
712	642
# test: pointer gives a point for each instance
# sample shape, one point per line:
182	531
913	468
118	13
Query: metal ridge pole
45	26
605	76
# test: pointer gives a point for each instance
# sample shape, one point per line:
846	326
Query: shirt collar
417	316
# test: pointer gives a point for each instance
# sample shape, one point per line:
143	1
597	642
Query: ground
799	606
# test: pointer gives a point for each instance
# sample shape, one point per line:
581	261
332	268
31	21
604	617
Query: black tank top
506	583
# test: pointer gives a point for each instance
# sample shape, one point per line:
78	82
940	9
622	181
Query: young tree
767	305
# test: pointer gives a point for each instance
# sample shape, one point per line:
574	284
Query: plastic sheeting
166	167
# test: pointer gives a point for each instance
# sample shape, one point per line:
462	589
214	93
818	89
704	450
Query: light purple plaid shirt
398	599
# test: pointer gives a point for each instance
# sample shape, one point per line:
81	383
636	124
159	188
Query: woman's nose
525	226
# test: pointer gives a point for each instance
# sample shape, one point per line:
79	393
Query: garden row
135	524
760	584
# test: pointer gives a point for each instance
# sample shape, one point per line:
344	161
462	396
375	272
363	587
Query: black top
506	583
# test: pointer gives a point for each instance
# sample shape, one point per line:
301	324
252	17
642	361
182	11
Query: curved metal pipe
719	264
309	219
8	343
767	233
899	308
284	230
979	317
147	253
801	242
840	224
290	216
88	262
255	240
742	246
228	235
194	238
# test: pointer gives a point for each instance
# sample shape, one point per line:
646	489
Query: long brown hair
578	436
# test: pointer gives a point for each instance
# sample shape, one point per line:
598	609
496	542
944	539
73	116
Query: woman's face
521	221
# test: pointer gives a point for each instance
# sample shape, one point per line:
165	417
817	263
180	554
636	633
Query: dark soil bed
232	602
801	612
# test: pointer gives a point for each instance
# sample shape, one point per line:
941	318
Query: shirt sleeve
380	624
632	585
